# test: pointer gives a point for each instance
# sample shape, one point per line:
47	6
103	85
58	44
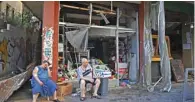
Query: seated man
85	76
41	82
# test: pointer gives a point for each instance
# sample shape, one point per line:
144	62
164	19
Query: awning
102	31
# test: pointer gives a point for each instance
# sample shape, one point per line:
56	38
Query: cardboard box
64	89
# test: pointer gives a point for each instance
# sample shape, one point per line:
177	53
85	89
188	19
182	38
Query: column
141	39
50	35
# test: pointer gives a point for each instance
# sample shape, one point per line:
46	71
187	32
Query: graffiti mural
4	52
2	63
47	45
17	49
16	52
12	53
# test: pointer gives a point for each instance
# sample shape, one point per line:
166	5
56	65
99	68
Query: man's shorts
86	82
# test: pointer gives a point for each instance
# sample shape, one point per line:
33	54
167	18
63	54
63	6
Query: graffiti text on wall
47	44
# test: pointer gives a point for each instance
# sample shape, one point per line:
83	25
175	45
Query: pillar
50	35
141	39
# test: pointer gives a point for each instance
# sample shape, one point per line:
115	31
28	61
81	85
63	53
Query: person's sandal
82	98
97	97
56	100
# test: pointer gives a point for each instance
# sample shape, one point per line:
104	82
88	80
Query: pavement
124	94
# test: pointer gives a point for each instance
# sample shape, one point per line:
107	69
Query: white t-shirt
81	71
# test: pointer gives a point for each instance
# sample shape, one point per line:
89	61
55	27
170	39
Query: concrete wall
31	45
17	5
18	45
17	49
187	53
12	49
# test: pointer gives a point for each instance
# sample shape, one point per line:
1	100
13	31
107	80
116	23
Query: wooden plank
11	84
178	70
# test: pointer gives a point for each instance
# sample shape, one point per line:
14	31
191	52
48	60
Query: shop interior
100	42
179	37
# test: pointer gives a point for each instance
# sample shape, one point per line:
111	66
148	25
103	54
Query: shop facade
53	32
102	26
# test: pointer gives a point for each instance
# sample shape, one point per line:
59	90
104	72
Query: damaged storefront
125	42
101	35
155	19
168	38
110	38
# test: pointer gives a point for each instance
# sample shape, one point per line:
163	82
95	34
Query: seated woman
41	82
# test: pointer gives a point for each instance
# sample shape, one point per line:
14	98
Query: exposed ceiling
185	7
135	2
191	2
176	17
36	7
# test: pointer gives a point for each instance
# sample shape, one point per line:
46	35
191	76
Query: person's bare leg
82	86
97	84
35	96
55	95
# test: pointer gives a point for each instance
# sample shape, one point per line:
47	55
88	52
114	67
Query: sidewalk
134	94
